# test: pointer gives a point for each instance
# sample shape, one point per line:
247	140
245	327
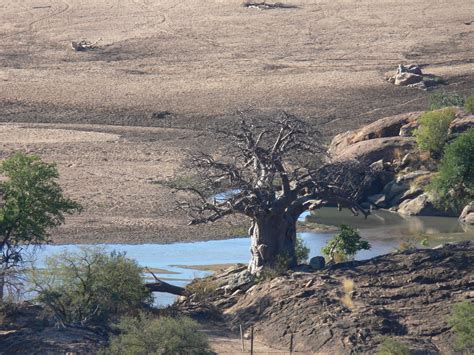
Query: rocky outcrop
389	144
390	295
369	151
467	214
385	127
413	76
419	206
461	124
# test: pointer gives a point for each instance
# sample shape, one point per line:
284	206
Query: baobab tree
272	172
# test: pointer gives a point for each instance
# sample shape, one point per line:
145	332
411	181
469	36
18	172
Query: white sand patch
13	134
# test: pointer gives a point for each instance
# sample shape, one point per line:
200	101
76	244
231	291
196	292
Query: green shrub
453	186
432	134
90	286
301	250
469	105
31	204
462	322
443	99
345	245
392	347
164	335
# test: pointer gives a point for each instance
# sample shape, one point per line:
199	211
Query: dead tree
272	173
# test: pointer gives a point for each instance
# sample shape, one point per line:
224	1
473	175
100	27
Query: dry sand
200	61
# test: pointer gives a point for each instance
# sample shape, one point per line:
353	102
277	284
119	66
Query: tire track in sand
31	26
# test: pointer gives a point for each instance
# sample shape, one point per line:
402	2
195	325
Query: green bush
164	335
469	105
462	323
301	250
392	347
443	99
453	186
345	245
90	286
31	204
432	134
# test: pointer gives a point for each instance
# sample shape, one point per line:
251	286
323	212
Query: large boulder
467	214
385	127
405	78
420	206
317	263
461	124
367	152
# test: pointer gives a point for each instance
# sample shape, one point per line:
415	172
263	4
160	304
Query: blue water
384	231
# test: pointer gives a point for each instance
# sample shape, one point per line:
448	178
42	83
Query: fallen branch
161	286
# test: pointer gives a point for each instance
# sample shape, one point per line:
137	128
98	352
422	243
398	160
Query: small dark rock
317	263
159	115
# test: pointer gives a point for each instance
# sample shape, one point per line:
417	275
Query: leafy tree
462	322
164	335
454	183
440	100
90	286
301	250
469	104
432	134
31	203
345	244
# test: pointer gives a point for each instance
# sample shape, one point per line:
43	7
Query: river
384	230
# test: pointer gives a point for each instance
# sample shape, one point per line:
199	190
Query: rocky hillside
349	307
389	146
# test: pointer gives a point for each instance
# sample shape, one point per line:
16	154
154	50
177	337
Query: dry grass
348	287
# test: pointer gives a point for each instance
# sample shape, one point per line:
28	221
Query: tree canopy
31	203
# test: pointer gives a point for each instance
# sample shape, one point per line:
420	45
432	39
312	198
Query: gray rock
385	127
467	214
414	69
317	263
419	206
406	160
405	78
411	176
243	281
367	152
460	125
407	195
378	165
393	189
377	200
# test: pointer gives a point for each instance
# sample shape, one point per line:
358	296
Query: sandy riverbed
199	61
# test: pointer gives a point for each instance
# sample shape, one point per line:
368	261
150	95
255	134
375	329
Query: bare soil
121	116
350	307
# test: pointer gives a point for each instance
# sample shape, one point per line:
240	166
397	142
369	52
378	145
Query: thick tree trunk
273	239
